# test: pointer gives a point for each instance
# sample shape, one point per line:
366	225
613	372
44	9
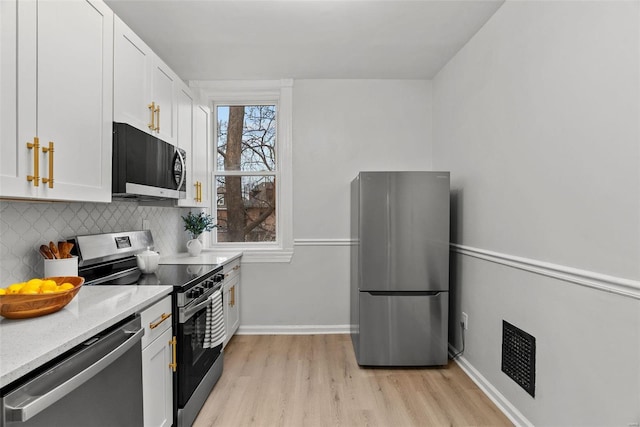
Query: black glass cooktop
179	275
125	272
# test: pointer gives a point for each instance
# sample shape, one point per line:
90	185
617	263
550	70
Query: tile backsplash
24	226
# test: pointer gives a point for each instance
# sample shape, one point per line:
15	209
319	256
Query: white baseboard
293	329
491	392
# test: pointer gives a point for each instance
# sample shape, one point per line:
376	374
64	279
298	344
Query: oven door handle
186	313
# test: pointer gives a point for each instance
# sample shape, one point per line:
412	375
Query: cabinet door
184	139
16	161
198	158
132	60
65	64
201	144
157	382
163	83
234	314
232	303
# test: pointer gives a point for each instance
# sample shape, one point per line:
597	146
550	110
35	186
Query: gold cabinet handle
235	268
174	363
199	191
152	108
197	196
232	303
164	317
157	110
49	150
35	146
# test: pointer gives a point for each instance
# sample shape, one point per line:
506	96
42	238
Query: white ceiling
305	39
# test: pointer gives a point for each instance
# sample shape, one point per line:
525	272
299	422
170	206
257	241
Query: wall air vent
519	357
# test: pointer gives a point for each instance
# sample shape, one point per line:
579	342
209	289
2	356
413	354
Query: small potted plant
196	224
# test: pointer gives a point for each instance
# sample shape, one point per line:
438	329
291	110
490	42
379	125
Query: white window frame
274	92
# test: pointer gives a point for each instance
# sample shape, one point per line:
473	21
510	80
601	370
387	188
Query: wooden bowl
21	306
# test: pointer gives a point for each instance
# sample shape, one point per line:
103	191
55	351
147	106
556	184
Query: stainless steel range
109	259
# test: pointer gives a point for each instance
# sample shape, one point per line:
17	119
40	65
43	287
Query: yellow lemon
48	285
30	289
65	286
15	288
34	282
3	291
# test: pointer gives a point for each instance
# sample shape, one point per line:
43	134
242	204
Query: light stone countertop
207	256
26	344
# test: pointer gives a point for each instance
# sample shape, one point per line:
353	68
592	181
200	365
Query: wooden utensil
54	250
65	249
46	252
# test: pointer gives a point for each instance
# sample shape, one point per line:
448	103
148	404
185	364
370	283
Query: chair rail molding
324	242
617	285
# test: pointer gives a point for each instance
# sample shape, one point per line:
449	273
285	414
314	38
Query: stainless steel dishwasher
98	383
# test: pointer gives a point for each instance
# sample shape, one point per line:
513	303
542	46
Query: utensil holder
61	267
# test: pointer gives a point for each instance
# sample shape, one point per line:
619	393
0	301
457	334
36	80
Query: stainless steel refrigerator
400	268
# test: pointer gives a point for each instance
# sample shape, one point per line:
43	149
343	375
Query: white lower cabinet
157	362
231	298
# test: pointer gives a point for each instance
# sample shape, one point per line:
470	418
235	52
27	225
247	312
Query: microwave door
144	166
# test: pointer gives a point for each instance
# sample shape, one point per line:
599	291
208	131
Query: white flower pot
194	247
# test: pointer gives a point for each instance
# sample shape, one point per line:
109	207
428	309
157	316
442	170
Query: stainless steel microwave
146	167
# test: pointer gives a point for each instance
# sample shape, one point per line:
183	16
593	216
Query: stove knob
208	284
218	278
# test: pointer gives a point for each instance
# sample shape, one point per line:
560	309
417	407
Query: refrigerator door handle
404	293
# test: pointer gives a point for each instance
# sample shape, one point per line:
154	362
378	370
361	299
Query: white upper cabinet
184	134
164	85
144	86
56	123
201	155
197	154
15	162
132	60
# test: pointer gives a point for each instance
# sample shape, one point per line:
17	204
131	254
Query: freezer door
404	231
408	329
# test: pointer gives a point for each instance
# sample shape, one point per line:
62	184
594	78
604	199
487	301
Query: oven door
194	359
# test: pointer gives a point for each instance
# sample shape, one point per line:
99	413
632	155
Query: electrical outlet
145	224
465	321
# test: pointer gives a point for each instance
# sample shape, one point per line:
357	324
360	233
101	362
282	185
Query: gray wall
339	128
537	118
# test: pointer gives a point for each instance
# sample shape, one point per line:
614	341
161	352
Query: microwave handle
183	176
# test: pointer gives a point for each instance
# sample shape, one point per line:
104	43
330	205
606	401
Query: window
252	170
246	171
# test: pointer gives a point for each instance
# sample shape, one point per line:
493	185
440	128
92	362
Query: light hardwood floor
314	380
